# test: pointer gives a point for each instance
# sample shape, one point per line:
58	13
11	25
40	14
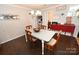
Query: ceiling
38	6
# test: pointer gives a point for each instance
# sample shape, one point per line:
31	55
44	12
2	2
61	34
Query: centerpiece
36	29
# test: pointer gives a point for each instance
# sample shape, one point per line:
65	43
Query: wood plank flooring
67	45
19	46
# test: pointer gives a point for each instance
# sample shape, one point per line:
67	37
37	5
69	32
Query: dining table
43	35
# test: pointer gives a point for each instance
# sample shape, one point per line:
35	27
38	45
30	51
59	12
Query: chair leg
71	34
26	37
50	50
33	45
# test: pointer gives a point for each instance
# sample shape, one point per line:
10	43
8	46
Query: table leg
42	47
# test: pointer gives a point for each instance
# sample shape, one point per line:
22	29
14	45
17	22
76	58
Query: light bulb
38	12
32	12
1	17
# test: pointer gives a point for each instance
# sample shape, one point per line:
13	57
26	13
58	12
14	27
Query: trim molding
12	39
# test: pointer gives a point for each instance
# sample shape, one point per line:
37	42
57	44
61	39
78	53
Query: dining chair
29	27
43	27
30	39
51	45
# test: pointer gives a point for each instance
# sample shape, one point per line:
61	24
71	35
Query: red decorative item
63	28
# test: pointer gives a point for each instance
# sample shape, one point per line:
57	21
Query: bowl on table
36	29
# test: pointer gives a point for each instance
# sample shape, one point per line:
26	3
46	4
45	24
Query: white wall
75	19
61	19
11	29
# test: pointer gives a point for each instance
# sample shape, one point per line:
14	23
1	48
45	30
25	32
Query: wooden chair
29	27
30	39
51	45
43	27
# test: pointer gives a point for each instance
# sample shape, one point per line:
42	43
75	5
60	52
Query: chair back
28	34
58	36
29	27
43	27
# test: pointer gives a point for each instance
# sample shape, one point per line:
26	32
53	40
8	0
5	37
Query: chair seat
52	42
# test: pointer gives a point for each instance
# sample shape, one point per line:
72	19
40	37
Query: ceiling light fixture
35	12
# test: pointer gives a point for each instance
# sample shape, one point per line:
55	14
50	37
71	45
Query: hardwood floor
19	47
66	46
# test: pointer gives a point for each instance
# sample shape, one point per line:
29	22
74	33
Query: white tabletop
44	35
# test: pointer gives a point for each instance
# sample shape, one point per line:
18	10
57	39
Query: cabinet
63	28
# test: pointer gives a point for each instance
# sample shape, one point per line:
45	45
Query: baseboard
12	39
